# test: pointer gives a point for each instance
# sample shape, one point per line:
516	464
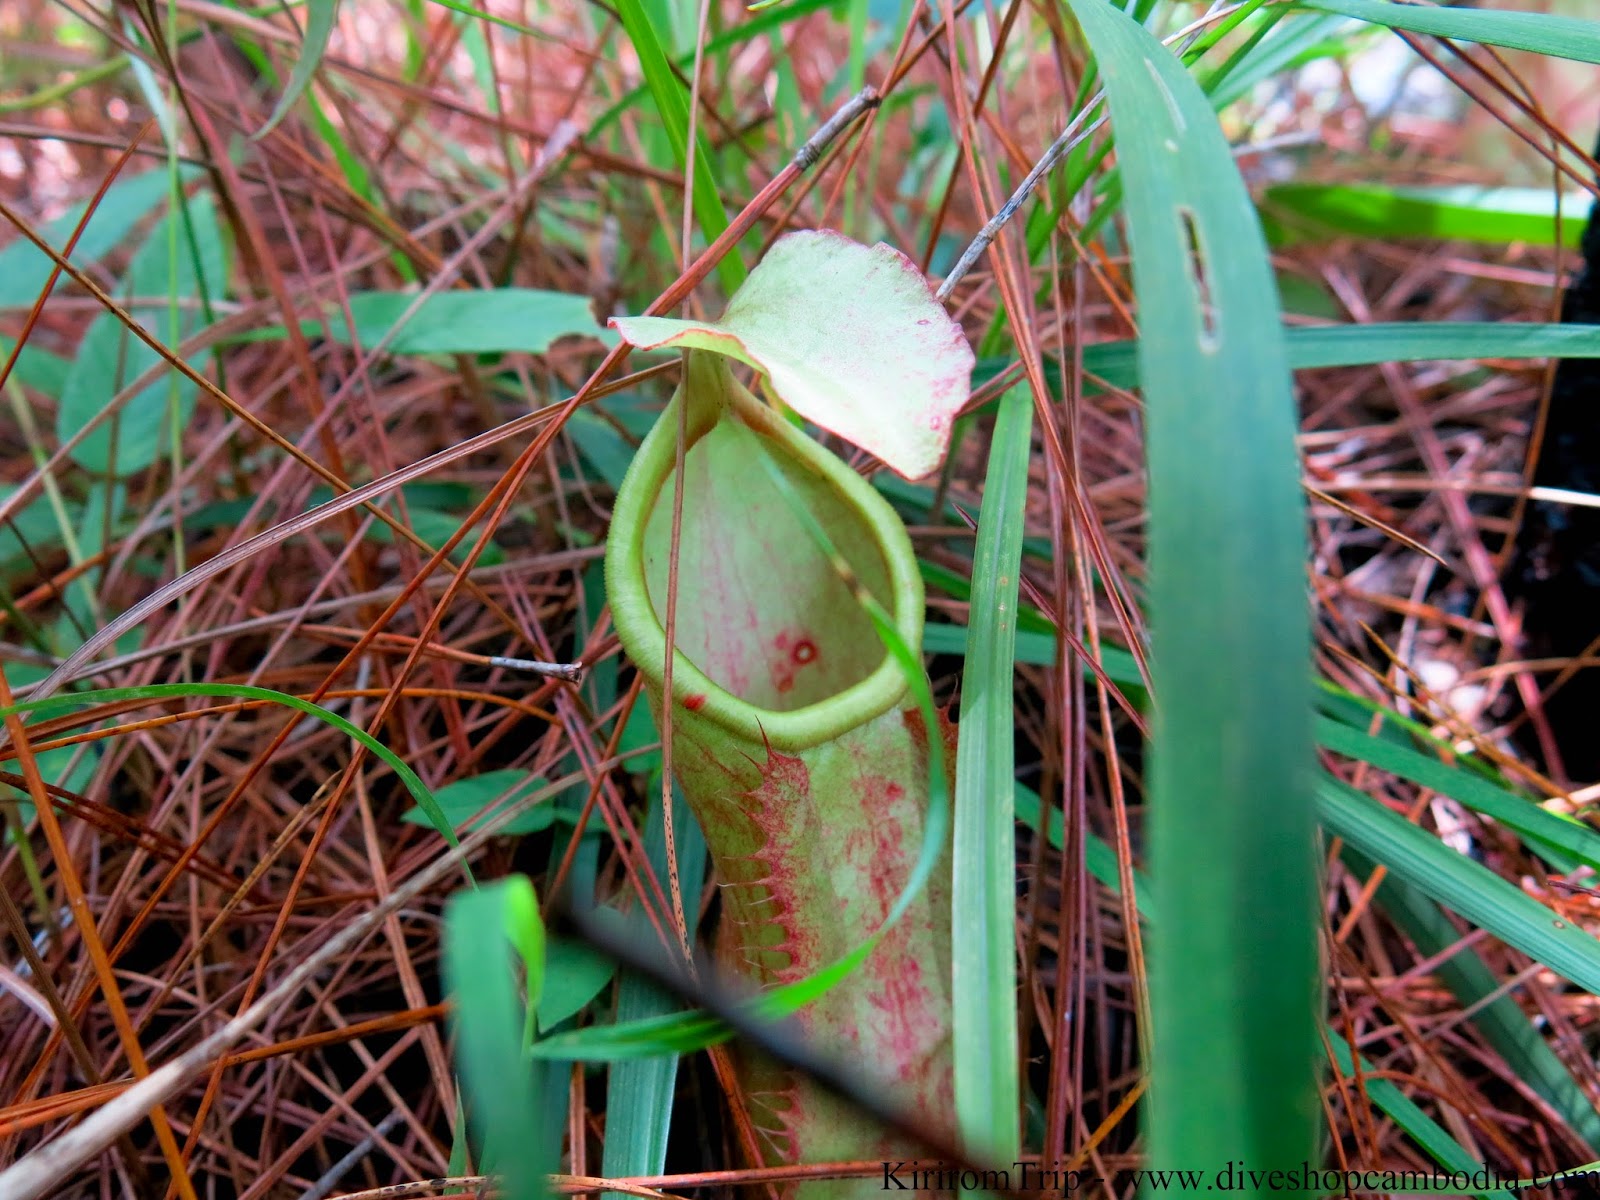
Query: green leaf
1320	346
239	691
492	321
848	336
574	974
436	528
1234	1046
1494	1011
24	268
504	1101
481	797
320	17
1542	33
110	357
34	529
1426	1132
1540	828
983	878
605	450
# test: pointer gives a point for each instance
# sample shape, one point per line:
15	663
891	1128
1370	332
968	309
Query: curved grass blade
1542	33
983	882
1491	216
1233	966
320	17
238	691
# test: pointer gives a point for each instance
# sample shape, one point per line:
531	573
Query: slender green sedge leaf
1540	827
672	103
983	880
238	691
1233	966
491	1024
1495	1012
1458	883
1494	216
1320	346
639	1092
1424	1130
755	26
320	17
1542	33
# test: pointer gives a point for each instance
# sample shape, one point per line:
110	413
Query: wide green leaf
24	268
492	321
481	797
110	356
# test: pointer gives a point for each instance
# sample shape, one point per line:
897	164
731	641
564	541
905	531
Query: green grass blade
238	691
1233	967
503	1089
320	16
1424	1130
1495	1014
1461	885
1542	33
1490	216
1541	829
1315	347
672	103
639	1091
983	882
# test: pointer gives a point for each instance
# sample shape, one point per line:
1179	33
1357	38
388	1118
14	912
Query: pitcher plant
795	738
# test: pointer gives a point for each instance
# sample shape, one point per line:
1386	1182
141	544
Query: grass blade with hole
1233	968
983	873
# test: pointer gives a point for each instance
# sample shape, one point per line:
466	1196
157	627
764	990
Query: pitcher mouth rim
641	632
